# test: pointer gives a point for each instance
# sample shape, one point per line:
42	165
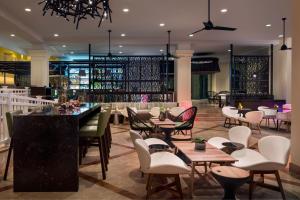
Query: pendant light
284	46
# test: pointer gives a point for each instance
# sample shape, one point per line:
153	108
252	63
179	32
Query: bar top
84	109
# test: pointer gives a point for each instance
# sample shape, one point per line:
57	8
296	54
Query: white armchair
149	141
231	114
155	111
239	134
163	164
272	156
269	113
284	117
253	119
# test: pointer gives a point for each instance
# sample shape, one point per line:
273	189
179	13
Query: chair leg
251	185
105	153
102	159
8	159
148	186
178	185
280	184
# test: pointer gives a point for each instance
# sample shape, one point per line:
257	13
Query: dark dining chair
138	124
9	120
185	121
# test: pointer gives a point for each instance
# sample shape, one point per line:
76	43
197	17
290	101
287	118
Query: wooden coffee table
201	158
167	126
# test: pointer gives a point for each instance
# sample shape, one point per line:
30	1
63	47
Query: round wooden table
230	178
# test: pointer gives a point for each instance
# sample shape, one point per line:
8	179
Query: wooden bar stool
94	136
9	120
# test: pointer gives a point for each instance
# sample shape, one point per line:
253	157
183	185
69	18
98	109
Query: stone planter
200	146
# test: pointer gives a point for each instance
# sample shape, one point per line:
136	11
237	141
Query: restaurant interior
139	99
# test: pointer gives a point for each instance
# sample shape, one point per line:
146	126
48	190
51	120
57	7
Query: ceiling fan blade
222	28
198	31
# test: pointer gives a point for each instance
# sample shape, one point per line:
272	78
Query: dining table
201	157
167	126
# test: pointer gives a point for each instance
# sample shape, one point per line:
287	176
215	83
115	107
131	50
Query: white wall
282	73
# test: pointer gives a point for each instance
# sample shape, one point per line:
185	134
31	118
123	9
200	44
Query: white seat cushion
252	160
217	142
167	163
153	141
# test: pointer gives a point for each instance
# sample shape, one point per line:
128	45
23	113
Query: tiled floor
124	179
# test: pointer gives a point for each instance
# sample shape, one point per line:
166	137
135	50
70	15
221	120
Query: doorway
200	86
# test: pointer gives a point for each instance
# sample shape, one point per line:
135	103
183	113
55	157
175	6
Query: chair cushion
152	141
93	122
218	142
142	125
88	131
252	160
167	163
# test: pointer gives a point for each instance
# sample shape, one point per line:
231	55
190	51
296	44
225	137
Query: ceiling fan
210	26
284	46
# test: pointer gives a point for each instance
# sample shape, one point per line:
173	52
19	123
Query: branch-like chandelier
78	9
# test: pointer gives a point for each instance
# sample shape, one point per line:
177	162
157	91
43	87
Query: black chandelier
78	9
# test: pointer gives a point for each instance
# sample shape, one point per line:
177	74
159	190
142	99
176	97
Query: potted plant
200	143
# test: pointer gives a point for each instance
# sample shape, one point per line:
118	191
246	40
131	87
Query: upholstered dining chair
9	121
138	124
162	164
253	120
231	116
272	156
239	134
284	117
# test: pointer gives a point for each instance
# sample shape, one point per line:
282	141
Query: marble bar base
46	152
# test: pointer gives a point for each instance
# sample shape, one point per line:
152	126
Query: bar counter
46	149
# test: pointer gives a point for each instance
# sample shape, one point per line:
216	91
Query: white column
295	137
39	68
183	75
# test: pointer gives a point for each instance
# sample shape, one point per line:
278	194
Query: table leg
192	179
116	119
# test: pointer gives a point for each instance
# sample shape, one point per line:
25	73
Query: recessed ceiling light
123	35
64	46
55	35
161	50
224	10
280	36
268	25
162	24
191	35
120	46
120	52
72	52
126	10
229	50
27	10
12	35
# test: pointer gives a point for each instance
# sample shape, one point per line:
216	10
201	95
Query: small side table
230	178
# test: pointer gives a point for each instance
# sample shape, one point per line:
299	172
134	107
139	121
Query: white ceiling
141	25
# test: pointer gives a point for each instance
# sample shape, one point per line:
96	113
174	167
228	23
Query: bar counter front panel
46	149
